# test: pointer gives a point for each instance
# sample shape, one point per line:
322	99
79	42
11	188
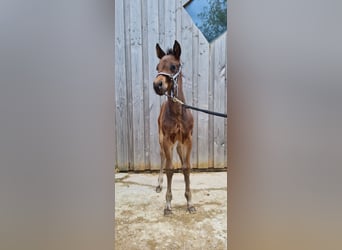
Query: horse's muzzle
159	88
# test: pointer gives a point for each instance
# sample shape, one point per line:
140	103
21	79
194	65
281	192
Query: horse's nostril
158	87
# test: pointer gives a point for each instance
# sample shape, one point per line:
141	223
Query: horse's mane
170	52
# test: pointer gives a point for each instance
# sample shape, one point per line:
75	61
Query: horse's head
168	68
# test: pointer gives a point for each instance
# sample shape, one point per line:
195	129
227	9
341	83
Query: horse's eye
173	68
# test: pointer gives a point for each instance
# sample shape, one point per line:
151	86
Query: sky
194	8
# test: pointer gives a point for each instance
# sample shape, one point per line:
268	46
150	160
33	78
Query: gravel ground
139	217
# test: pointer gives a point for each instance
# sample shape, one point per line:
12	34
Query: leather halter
174	78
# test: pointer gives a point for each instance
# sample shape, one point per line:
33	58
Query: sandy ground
140	222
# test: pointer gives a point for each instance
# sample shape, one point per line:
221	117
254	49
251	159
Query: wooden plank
116	166
179	12
186	41
120	90
220	101
225	100
211	105
154	99
136	85
195	58
161	21
128	84
116	35
146	85
203	119
170	23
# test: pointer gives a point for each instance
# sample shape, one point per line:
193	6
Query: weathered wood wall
139	25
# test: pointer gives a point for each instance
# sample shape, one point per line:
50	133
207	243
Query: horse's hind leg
184	151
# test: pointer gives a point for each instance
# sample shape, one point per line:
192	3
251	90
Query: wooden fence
139	25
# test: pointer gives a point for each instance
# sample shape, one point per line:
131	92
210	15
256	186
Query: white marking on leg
168	205
160	181
160	177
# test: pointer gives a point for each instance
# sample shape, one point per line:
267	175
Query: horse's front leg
162	161
162	166
168	149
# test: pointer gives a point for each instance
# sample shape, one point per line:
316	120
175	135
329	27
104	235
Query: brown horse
175	122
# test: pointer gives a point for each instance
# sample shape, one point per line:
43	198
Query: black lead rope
204	110
175	99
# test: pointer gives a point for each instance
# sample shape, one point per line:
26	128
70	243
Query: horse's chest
178	133
178	129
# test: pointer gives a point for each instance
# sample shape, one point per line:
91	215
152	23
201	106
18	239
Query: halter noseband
174	79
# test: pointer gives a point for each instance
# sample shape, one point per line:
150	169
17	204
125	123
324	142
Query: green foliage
214	19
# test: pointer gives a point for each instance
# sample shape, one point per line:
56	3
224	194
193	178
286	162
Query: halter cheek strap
174	79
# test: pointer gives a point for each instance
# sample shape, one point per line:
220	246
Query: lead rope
174	78
175	99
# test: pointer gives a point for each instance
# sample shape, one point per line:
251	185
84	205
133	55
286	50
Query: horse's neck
180	94
175	107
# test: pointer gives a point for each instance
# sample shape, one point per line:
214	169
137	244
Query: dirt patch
139	219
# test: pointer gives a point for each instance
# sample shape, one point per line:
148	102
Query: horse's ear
177	49
160	52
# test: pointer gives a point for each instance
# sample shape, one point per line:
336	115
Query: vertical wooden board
195	53
116	166
120	89
161	21
225	99
223	60
187	57
128	70
115	113
211	104
115	149
179	11
154	99
203	119
219	104
145	71
137	86
170	23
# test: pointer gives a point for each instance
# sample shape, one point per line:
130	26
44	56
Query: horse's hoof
158	189
191	209
167	212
